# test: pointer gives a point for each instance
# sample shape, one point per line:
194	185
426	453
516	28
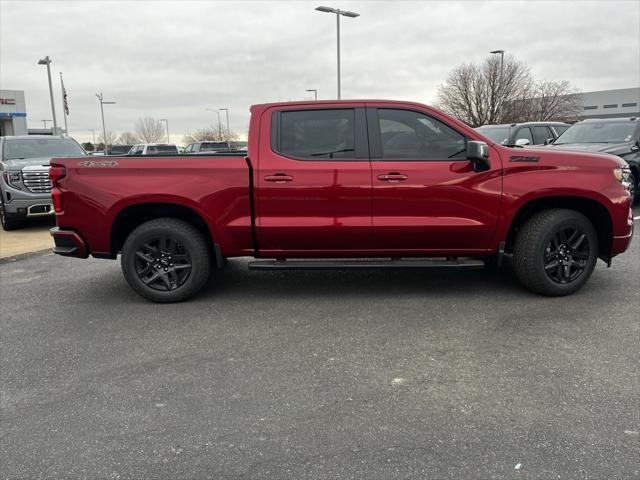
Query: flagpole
64	106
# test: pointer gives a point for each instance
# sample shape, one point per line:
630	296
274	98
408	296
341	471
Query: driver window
409	135
526	134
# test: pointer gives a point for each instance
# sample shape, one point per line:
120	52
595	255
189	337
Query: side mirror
521	142
548	141
478	154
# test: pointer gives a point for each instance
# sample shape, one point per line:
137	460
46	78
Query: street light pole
226	110
338	13
501	52
315	93
104	129
167	123
218	113
93	133
45	123
47	61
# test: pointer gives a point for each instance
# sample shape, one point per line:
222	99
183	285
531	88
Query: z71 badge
93	163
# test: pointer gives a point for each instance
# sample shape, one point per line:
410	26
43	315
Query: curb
22	256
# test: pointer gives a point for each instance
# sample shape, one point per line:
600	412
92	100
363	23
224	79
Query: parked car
153	149
347	184
119	149
528	133
617	136
208	147
25	188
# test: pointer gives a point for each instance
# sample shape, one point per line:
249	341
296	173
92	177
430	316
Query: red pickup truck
346	184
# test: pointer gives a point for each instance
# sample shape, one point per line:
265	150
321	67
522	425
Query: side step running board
367	264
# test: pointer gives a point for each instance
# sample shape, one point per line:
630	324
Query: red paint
341	208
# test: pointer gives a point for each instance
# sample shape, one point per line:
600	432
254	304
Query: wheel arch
595	211
130	217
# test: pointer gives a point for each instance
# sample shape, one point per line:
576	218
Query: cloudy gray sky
172	59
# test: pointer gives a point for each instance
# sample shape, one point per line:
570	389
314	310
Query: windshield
497	134
41	147
605	132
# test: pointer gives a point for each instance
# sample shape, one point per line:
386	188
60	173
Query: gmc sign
7	101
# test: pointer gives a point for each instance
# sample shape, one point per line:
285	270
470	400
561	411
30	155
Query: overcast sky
172	59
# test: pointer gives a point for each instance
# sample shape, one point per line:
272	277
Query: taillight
56	173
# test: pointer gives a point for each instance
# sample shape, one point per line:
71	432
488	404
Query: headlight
11	178
623	175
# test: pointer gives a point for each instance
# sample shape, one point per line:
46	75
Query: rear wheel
6	219
555	252
166	260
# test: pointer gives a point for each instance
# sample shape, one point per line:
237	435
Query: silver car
25	188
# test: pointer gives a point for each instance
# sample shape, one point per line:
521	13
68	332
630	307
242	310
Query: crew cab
346	184
25	189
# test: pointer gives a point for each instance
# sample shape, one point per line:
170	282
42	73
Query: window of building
611	105
591	107
634	104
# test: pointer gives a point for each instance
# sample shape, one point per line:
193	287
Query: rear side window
410	135
316	134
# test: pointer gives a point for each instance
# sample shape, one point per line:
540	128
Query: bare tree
149	130
492	92
128	138
111	138
544	101
212	132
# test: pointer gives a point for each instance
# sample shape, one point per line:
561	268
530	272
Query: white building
623	102
13	113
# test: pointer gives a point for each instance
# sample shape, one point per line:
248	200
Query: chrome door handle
278	178
392	177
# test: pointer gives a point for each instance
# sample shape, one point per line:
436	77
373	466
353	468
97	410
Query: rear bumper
68	243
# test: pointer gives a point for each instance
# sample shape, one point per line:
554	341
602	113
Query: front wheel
555	252
7	221
166	260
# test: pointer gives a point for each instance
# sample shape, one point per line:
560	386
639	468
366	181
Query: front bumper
68	243
621	242
26	205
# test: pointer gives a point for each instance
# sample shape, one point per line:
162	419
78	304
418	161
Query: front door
426	195
314	181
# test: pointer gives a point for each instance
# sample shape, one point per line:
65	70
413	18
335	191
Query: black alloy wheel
566	255
162	263
166	260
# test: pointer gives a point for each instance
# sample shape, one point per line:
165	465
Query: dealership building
13	113
623	102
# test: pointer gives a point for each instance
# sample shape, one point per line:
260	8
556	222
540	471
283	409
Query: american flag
64	97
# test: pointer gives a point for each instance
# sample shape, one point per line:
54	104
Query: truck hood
613	148
20	163
569	156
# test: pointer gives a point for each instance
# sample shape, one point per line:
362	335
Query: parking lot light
338	13
315	92
47	61
167	123
104	130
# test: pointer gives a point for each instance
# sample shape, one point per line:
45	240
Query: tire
6	220
547	258
169	270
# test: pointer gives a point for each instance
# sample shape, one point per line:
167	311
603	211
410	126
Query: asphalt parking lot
375	375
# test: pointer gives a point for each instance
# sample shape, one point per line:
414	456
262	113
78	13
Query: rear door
313	184
426	195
